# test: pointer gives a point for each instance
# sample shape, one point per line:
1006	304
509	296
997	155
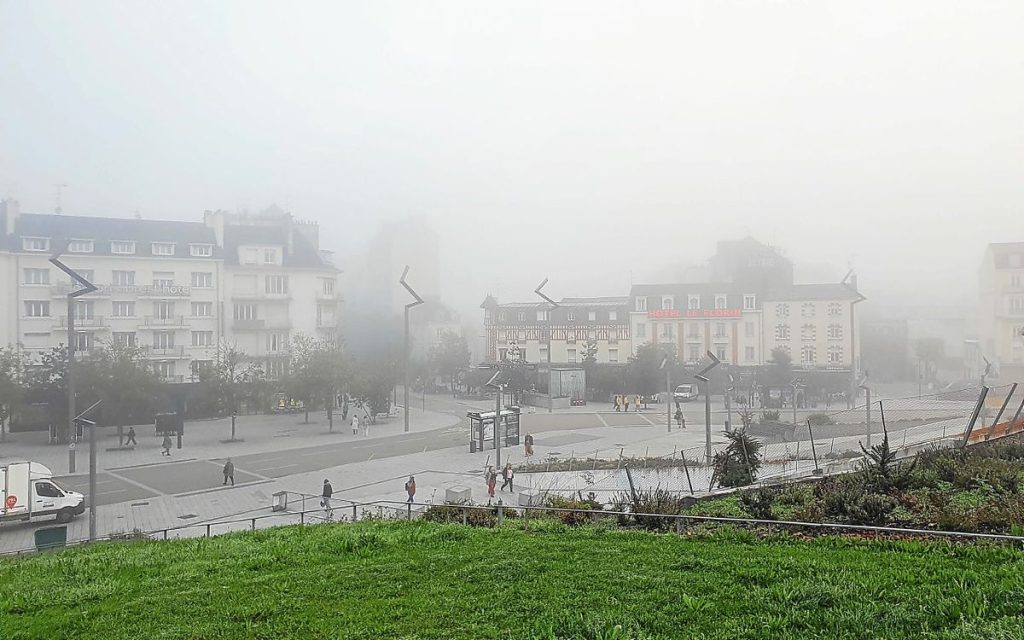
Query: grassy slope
417	580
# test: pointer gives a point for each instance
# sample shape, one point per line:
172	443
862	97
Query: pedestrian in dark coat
229	472
506	475
166	446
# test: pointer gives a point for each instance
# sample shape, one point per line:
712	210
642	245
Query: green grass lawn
421	580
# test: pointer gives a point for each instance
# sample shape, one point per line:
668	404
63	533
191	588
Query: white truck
29	492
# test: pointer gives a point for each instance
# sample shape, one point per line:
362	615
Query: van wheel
65	516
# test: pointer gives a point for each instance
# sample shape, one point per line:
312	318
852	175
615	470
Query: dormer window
35	244
163	248
201	250
641	304
667	303
693	302
122	247
749	302
80	246
721	301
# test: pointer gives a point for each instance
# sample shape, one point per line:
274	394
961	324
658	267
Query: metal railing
164	321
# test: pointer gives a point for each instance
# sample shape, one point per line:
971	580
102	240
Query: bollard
355	515
501	514
254	524
165	534
302	517
408	511
463	515
207	531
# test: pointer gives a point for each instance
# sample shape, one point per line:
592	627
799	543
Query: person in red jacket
492	481
410	488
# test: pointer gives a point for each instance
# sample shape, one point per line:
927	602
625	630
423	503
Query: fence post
813	450
254	524
408	511
686	469
207	530
302	517
165	534
501	513
463	515
1013	390
974	416
355	514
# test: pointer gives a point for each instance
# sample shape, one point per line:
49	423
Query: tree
930	351
47	381
11	390
231	380
316	372
738	464
449	356
123	380
371	383
644	373
779	371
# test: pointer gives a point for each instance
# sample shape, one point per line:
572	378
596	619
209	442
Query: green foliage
122	378
12	390
233	379
769	416
644	373
738	464
655	502
580	509
820	419
881	471
371	383
316	372
758	502
449	356
422	580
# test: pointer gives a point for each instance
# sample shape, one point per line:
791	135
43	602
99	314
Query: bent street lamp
417	300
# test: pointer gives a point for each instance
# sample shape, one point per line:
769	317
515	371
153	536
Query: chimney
10	210
215	220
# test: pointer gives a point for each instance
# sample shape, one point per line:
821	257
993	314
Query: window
782	310
572	316
37	308
720	330
201	250
694	331
834	309
122	278
245	312
277	341
835	355
164	369
782	332
163	339
641	330
807	354
693	302
84	309
666	330
276	368
202	338
748	354
124	338
748	329
202	309
613	355
591	316
250	256
88	274
163	309
721	301
542	316
35	244
123	309
270	256
544	354
163	248
522	316
571	355
327	286
83	341
1015	280
199	366
835	332
749	302
122	247
202	279
277	284
720	353
667	303
47	490
808	332
641	304
502	354
163	279
613	316
1016	305
80	246
694	353
37	276
807	310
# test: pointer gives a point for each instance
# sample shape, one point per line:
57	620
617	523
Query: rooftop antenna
60	187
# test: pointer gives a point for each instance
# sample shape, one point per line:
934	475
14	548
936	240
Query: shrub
476	517
656	501
882	473
820	419
770	416
581	509
871	509
737	466
758	502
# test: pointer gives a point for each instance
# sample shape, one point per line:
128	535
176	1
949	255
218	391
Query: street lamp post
668	392
728	403
796	386
702	375
554	305
417	300
867	399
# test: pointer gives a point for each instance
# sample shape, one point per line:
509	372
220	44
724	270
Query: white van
685	393
29	492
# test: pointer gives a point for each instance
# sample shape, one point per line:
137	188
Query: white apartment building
1001	310
166	286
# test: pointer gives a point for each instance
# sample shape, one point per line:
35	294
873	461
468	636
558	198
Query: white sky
573	140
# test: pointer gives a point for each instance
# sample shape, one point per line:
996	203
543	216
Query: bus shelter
481	428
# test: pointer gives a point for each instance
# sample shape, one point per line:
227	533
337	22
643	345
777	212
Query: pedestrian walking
528	445
166	446
492	481
506	475
325	497
366	427
130	442
636	402
355	424
680	418
410	488
229	472
618	400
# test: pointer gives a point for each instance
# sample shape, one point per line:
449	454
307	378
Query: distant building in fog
1001	310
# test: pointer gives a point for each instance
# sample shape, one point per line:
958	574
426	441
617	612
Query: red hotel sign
695	313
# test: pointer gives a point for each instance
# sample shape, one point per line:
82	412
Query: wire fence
821	444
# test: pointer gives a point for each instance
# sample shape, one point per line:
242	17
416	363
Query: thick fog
588	142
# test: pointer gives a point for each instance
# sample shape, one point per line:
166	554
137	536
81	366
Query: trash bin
280	501
51	538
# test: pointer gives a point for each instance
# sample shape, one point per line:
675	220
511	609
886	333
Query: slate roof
811	292
303	255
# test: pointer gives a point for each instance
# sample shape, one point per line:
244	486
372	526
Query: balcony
165	352
95	322
164	322
61	289
248	325
261	296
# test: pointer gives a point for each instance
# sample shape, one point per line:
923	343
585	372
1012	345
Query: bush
656	501
871	509
881	472
820	419
475	517
581	509
770	416
758	502
737	466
